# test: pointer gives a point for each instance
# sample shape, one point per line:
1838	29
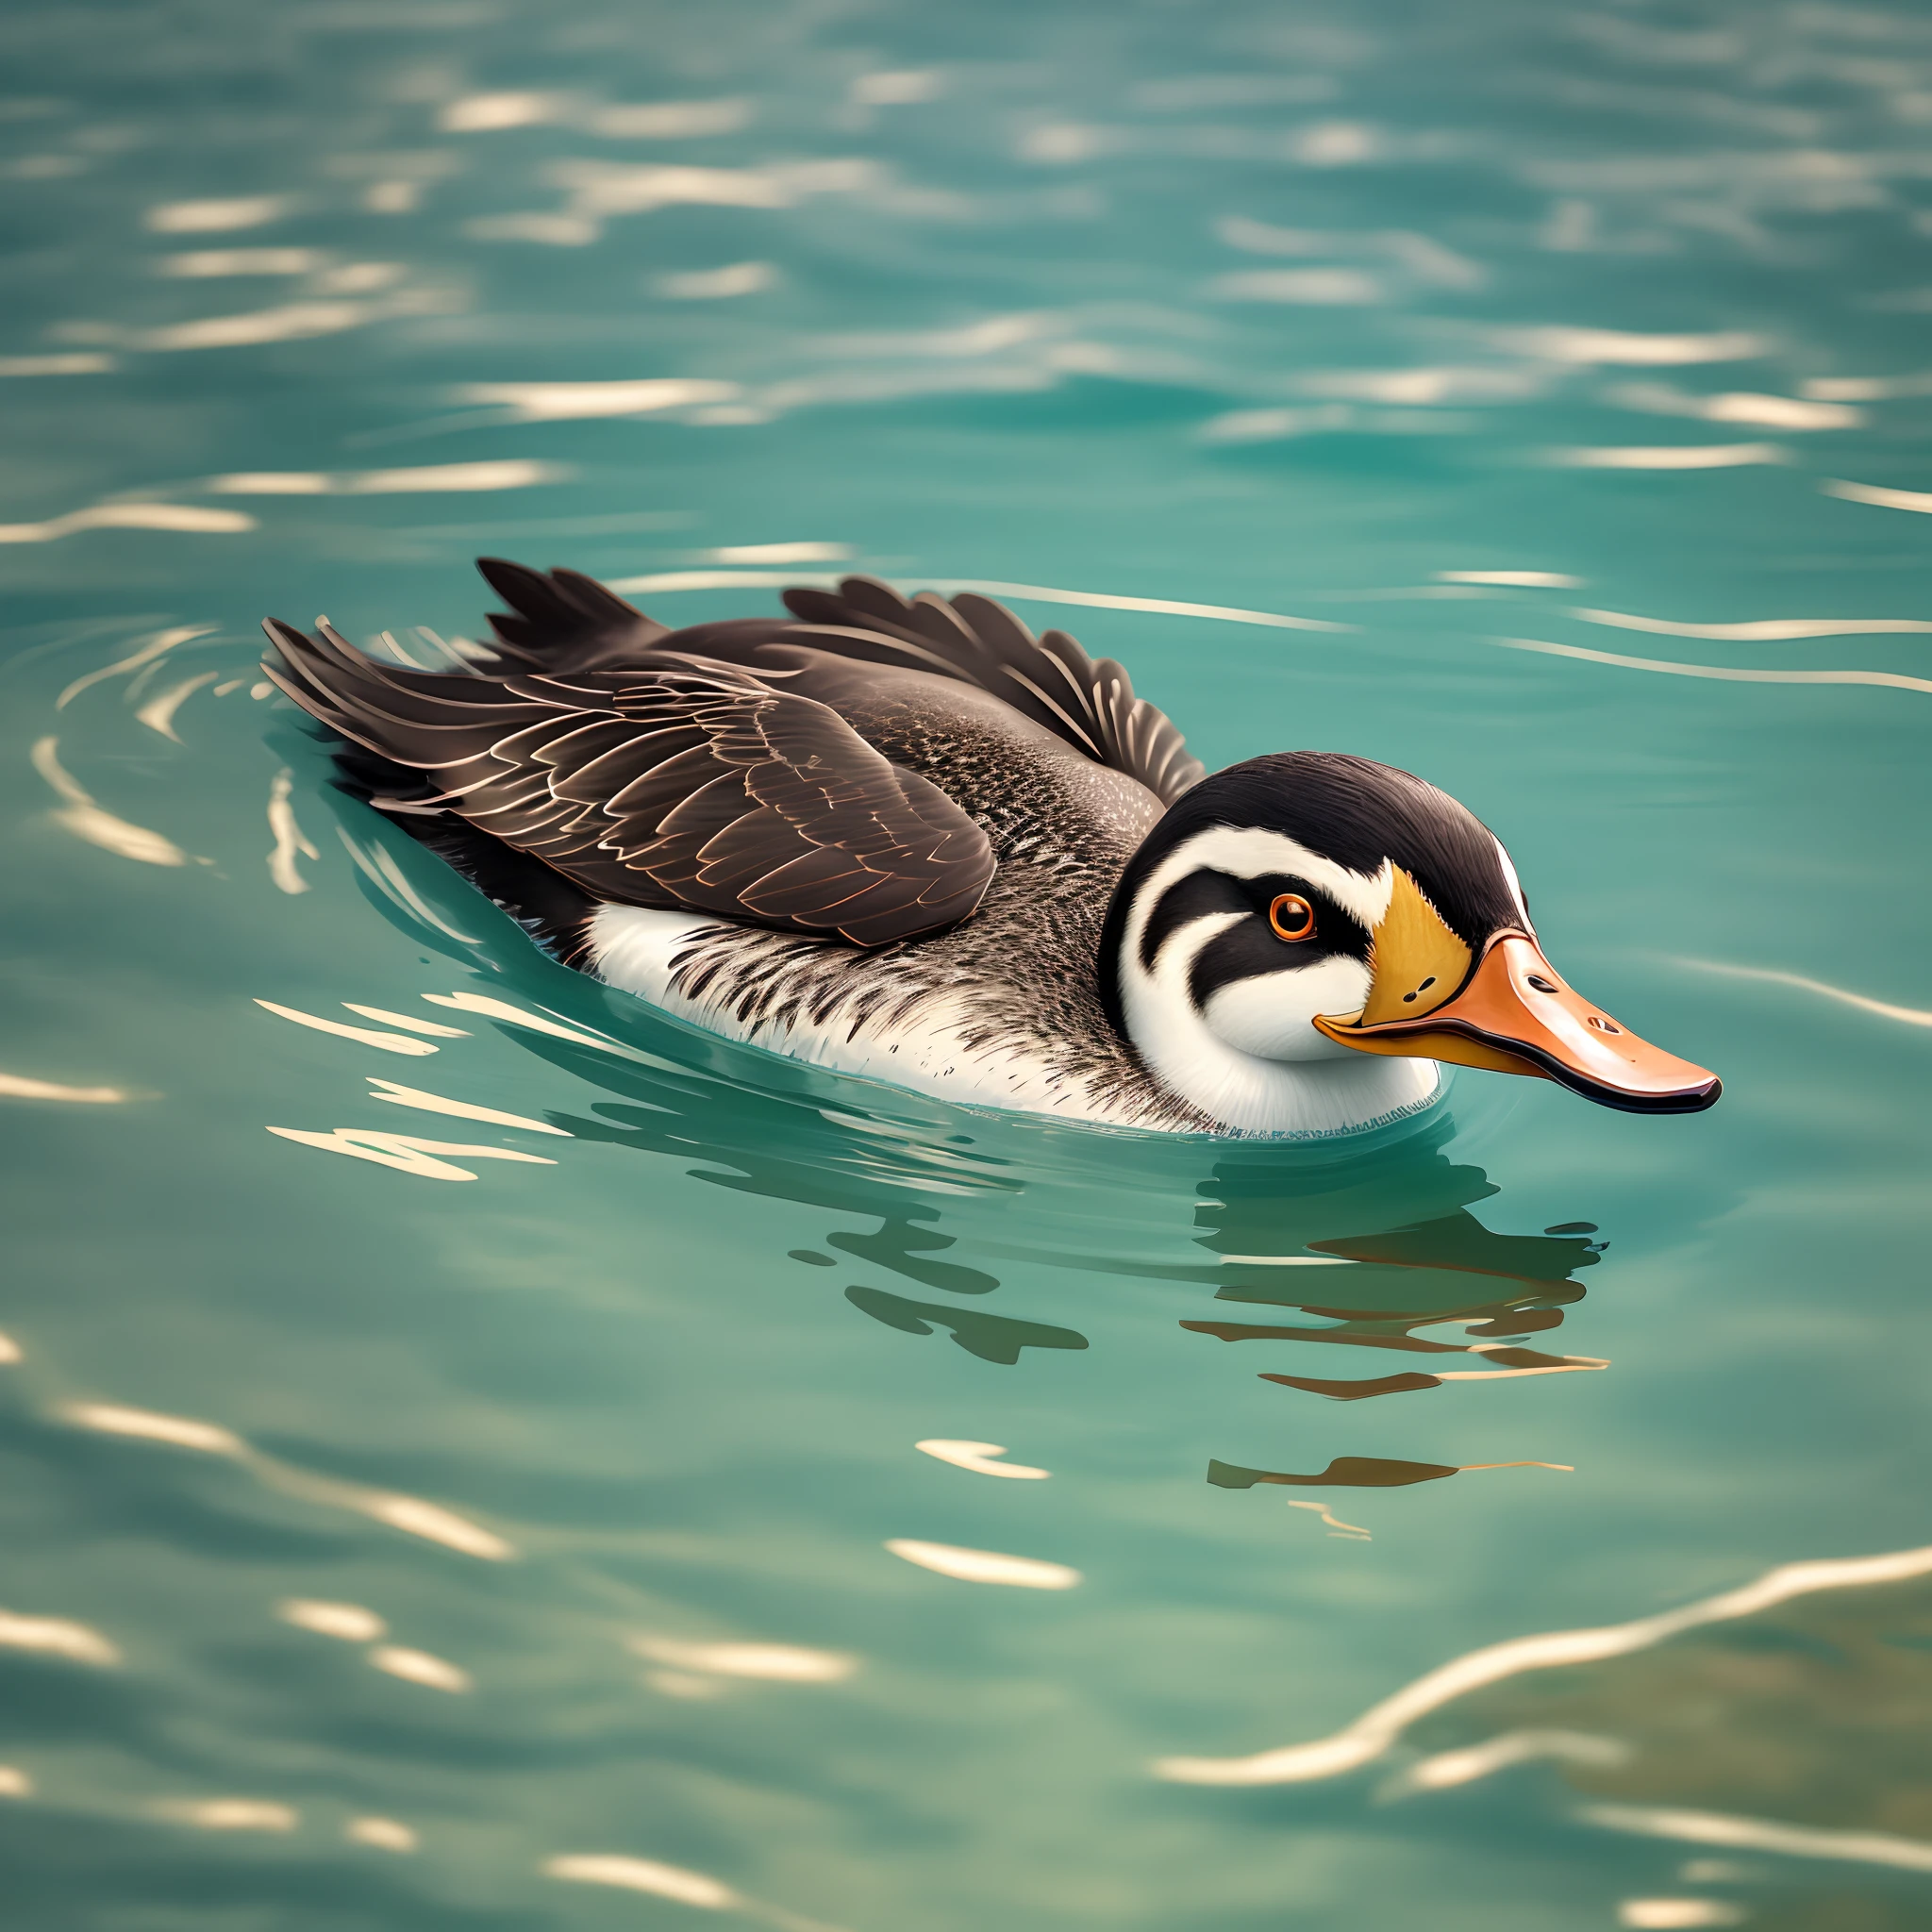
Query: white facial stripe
1515	886
1246	852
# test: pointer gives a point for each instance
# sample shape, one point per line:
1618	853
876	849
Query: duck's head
1293	913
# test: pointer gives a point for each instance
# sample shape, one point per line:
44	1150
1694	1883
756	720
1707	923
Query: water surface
496	1532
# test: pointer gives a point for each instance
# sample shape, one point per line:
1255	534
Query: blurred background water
488	1497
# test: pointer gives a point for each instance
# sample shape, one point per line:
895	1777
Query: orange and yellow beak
1512	1014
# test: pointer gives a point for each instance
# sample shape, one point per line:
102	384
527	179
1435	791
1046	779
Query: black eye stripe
1206	892
1250	951
1198	896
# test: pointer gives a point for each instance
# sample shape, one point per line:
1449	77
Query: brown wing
1051	680
664	784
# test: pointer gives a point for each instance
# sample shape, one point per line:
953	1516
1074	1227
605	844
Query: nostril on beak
1541	985
1603	1026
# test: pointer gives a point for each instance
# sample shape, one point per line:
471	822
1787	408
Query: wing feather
564	624
1088	702
665	781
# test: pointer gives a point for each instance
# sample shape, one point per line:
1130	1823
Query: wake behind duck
912	840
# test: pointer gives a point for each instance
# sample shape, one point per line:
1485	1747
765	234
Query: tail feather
550	909
564	620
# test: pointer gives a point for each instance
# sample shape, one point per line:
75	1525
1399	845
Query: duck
905	838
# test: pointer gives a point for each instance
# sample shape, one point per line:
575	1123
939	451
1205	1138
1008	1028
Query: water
1273	310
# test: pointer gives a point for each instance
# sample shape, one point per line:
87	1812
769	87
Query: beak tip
1691	1097
1699	1099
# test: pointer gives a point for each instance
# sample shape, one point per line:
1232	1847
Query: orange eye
1292	917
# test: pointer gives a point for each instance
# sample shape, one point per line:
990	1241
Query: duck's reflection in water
1370	1251
864	1168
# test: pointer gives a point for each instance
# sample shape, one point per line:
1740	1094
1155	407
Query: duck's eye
1292	917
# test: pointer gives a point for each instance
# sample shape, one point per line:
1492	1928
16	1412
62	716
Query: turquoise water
590	1449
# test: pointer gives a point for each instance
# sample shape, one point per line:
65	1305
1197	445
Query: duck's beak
1514	1014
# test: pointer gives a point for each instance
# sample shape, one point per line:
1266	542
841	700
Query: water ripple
1724	673
1375	1730
1763	631
1906	1016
